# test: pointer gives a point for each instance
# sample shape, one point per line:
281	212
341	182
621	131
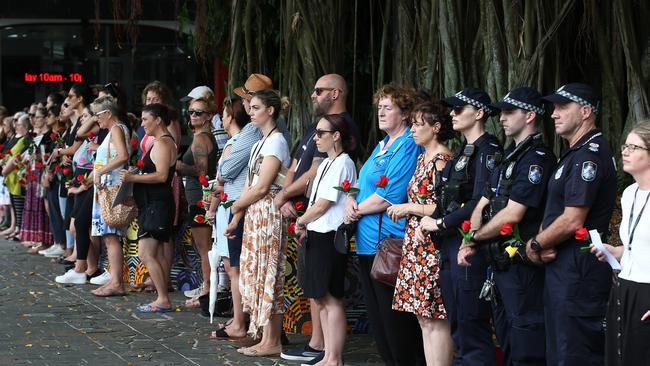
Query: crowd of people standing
492	240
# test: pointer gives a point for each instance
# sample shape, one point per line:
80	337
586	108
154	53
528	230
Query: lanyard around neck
631	229
327	167
258	149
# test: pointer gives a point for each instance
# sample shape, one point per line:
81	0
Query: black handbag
342	237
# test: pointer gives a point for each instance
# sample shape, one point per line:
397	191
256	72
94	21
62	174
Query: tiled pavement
44	323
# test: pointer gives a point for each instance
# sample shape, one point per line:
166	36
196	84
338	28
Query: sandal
151	308
222	333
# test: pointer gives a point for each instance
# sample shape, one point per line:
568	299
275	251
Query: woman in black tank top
153	191
200	160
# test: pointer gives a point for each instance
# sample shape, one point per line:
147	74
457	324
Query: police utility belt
495	249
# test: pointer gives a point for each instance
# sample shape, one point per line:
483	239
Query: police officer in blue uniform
463	180
515	195
581	193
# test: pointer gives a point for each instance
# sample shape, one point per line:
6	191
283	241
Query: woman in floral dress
418	284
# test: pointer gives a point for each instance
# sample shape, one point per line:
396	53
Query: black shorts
165	212
234	245
324	267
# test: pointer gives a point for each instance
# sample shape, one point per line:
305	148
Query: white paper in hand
598	243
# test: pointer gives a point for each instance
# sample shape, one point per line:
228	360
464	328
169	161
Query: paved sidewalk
44	323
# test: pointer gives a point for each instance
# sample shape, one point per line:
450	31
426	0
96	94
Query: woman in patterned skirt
264	247
418	284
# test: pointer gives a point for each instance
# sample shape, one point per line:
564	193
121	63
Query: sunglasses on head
196	112
319	91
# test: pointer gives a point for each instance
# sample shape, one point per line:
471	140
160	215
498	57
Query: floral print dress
417	289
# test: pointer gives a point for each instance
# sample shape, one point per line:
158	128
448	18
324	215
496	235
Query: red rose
80	178
39	165
134	142
382	182
91	135
422	190
300	206
199	219
21	181
140	163
46	157
57	168
506	229
2	146
582	234
2	155
466	226
203	180
345	185
52	136
199	203
291	229
223	196
67	171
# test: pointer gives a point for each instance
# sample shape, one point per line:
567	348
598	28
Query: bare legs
203	241
317	340
438	345
236	328
149	252
115	261
334	324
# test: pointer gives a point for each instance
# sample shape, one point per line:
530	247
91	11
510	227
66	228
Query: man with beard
328	97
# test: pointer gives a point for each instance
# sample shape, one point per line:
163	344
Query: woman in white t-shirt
264	249
323	276
628	314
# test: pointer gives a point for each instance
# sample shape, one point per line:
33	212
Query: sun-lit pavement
44	323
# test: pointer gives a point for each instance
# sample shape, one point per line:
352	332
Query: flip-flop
150	308
221	333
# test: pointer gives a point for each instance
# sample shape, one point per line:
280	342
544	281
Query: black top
153	191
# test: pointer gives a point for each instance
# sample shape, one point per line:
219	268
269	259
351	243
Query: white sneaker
72	277
194	293
46	250
102	279
54	253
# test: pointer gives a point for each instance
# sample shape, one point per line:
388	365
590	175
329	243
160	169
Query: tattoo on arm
200	153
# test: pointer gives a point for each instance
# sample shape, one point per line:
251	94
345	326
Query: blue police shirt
585	177
397	163
530	175
481	165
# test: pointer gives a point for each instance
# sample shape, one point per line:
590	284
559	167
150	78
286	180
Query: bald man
328	97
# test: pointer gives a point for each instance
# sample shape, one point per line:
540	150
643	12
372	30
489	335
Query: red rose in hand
382	182
80	178
134	142
300	206
422	190
46	157
67	171
52	136
199	203
57	168
582	234
223	196
199	219
140	163
345	185
203	180
39	165
291	229
506	229
90	135
466	226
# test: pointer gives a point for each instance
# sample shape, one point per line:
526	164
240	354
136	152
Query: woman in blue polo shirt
382	182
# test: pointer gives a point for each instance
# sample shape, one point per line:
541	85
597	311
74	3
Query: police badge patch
589	169
511	166
535	174
490	162
558	173
460	164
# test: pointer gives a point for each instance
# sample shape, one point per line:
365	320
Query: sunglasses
632	147
196	112
320	133
319	91
458	110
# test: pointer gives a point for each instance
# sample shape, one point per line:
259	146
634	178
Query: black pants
396	333
17	203
54	213
82	213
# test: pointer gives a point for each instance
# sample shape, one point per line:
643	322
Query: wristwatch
440	223
534	245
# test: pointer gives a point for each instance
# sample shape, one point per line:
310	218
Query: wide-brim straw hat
255	82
